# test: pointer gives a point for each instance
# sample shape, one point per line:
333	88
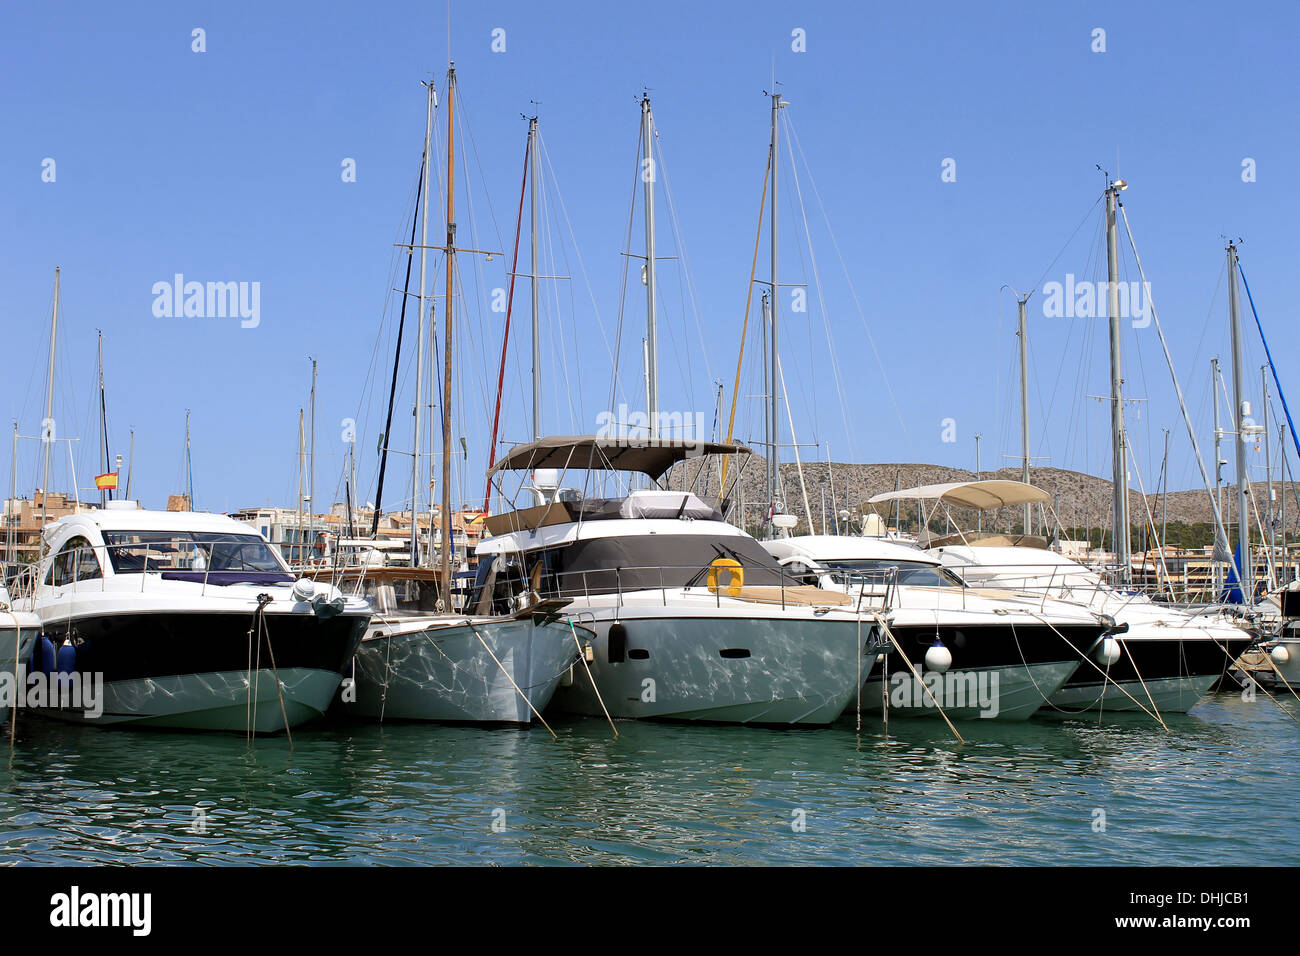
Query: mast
130	464
1119	444
189	464
103	419
1268	468
648	173
1022	334
769	412
448	324
397	364
47	426
1218	458
532	227
11	518
1164	502
1244	573
774	421
419	347
302	443
311	464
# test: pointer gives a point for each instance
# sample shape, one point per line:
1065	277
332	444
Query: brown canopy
649	456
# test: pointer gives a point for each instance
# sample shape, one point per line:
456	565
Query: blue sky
225	166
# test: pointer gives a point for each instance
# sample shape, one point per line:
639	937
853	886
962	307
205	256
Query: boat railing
867	591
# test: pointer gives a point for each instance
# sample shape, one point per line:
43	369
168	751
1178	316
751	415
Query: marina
437	503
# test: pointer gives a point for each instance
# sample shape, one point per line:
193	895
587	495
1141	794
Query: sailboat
420	659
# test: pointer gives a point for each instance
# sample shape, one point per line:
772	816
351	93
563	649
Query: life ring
735	575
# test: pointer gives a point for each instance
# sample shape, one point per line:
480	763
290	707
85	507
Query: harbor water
1220	786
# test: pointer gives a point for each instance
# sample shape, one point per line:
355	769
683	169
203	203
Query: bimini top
649	456
980	495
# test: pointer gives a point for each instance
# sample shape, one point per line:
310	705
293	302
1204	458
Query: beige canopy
649	456
980	495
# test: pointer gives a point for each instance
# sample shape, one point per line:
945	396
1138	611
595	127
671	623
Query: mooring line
475	632
583	657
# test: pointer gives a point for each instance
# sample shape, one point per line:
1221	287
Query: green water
1220	788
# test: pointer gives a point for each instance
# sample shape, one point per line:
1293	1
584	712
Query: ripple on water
663	794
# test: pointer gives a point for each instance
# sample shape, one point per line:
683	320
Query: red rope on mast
505	340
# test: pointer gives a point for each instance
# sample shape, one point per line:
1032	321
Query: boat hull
1169	672
718	669
446	672
207	671
998	672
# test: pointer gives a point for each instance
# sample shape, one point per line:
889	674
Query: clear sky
228	165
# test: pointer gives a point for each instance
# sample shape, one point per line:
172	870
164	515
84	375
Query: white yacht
189	620
418	662
1164	658
18	633
982	653
690	618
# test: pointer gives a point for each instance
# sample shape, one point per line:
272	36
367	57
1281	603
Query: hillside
1081	501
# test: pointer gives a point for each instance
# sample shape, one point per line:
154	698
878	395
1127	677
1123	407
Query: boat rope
744	328
794	443
501	666
13	711
583	657
1221	535
1093	664
1260	686
884	626
1133	661
505	337
262	601
254	674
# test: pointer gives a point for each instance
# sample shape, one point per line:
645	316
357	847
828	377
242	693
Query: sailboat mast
47	426
1218	456
1268	469
1023	333
302	444
1119	443
419	347
648	175
130	464
12	515
189	464
311	463
103	427
1239	416
448	325
532	228
774	421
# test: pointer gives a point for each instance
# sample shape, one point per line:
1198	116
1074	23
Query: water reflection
664	794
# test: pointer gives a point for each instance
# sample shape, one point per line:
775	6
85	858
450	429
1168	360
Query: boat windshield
917	574
195	552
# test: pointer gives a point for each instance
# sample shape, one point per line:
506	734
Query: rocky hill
1080	501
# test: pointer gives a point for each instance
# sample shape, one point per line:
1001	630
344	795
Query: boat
18	633
690	619
1162	658
421	659
986	654
190	620
419	663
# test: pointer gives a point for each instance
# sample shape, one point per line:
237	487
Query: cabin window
75	561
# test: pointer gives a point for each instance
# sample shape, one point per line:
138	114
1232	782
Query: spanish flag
106	482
